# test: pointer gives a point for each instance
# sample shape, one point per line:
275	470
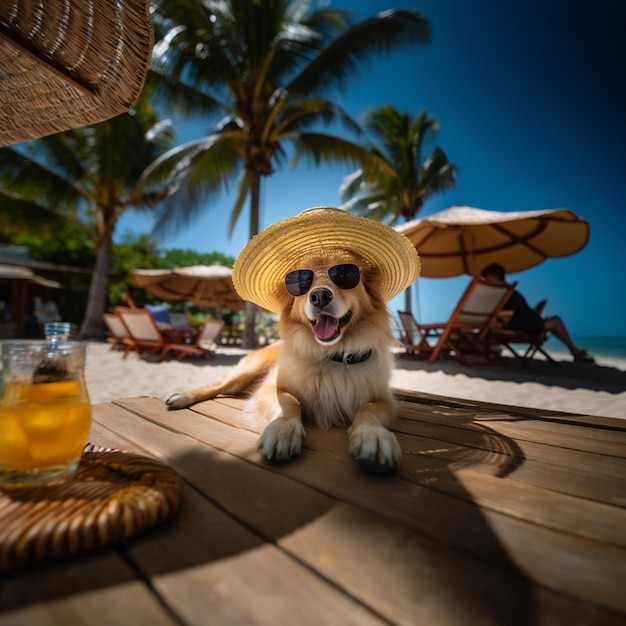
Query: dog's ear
286	300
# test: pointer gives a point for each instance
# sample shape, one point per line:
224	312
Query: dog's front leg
281	439
373	446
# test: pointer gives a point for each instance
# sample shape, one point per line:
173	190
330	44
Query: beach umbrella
16	272
206	285
69	64
463	240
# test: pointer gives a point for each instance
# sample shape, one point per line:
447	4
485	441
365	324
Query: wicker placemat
113	496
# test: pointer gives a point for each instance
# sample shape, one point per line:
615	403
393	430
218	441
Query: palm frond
18	213
319	148
350	51
190	176
351	186
242	194
302	114
438	173
180	97
34	180
59	151
374	205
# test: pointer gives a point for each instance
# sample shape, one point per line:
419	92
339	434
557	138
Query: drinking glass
45	413
59	331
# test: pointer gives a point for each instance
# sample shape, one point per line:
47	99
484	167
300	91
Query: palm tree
416	169
92	172
264	66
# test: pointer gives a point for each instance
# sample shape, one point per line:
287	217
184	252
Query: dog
328	275
332	367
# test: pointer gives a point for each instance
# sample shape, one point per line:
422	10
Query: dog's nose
320	297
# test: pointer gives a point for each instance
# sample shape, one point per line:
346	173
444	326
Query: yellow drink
43	427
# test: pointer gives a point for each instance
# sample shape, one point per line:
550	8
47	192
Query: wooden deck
496	515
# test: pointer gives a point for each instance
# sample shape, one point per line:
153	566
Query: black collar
351	359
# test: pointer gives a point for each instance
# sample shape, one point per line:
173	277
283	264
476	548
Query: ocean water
610	347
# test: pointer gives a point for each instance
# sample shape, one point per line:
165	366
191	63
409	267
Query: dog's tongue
325	327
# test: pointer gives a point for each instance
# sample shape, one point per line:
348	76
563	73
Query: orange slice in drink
42	392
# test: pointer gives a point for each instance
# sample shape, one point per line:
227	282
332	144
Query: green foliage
183	258
132	252
71	245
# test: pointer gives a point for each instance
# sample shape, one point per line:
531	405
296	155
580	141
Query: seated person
528	320
46	311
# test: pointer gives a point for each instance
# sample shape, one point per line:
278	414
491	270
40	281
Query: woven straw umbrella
69	63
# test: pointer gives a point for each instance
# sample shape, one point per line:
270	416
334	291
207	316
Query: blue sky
530	98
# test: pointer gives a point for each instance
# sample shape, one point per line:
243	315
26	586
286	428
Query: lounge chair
143	331
179	321
416	339
467	331
118	335
205	344
501	336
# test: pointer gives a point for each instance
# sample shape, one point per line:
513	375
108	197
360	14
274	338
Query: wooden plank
486	438
593	569
202	531
494	460
99	589
572	565
262	586
244	489
439	541
562	512
197	565
578	437
431	584
608	443
610	423
556	426
606	489
554	510
203	573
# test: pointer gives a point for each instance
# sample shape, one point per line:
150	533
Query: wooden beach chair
118	335
415	338
143	330
467	331
205	344
179	321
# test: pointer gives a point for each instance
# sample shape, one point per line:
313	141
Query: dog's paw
281	439
375	448
179	400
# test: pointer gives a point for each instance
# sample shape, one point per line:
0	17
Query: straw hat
69	64
260	268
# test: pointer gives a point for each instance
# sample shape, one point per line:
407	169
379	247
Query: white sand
598	389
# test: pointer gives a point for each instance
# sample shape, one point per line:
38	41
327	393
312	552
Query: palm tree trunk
249	337
92	326
407	299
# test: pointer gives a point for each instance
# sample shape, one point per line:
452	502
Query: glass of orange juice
45	413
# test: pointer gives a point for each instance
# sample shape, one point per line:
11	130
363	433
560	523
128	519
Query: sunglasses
345	276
